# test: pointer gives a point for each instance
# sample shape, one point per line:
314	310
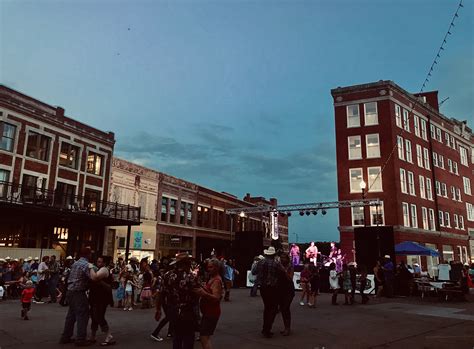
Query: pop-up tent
415	249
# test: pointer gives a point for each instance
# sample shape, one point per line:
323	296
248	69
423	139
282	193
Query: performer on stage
312	253
333	251
339	260
295	255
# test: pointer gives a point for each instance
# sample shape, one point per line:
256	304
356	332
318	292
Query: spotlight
301	213
308	213
315	212
323	212
288	214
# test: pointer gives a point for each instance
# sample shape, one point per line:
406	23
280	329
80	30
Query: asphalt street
395	323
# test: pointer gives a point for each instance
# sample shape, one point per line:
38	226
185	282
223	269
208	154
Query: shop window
38	146
69	155
164	209
94	163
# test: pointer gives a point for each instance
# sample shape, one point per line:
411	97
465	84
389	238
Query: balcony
30	197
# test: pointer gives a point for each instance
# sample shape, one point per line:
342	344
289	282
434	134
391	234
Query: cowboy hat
352	264
387	256
29	258
133	258
181	257
69	258
7	258
270	251
36	258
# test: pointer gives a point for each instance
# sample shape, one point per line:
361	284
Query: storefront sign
137	240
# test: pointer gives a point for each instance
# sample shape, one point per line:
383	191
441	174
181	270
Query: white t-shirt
333	280
443	271
128	286
41	270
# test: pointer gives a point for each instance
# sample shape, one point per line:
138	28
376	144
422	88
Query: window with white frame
446	138
438	135
357	216
455	168
426	158
459	248
453	192
411	183
406	214
456	221
432	262
429	191
438	188
447	220
401	150
444	190
416	125
409	155
423	130
467	185
451	141
398	115
406	120
469	212
421	179
448	254
373	145
450	165
374	176
419	155
463	152
403	181
431	219
424	217
433	131
461	222
435	159
414	218
355	175
370	110
466	257
353	119
355	149
7	136
441	161
458	194
441	218
376	215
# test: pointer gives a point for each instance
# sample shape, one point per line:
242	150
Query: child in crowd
314	282
26	296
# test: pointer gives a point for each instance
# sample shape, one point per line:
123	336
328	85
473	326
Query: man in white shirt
42	289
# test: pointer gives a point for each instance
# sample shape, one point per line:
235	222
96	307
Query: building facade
416	160
54	179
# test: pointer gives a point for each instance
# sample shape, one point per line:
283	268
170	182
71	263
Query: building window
435	159
64	195
401	151
173	203
419	155
38	146
164	209
189	214
451	141
94	163
444	190
455	168
450	165
429	192
463	152
411	183
374	176
414	218
403	181
438	188
4	178
470	212
423	130
409	156
416	125
69	155
32	187
357	216
373	145
447	220
182	211
421	179
355	149
461	222
467	185
453	193
353	119
7	136
441	161
424	216
398	115
438	135
433	131
448	254
92	200
458	194
376	215
431	217
371	117
426	158
355	179
406	214
406	120
446	138
456	221
441	218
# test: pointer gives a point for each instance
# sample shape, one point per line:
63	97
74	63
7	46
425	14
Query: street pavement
395	323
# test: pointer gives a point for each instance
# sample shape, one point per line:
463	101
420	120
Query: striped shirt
79	276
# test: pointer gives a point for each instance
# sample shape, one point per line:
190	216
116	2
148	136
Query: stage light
308	213
323	212
301	213
315	212
288	214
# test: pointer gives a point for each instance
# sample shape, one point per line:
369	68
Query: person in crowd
43	276
268	272
363	283
286	289
180	287
416	268
404	280
314	282
252	277
333	283
389	276
146	294
26	297
35	264
378	279
158	280
27	264
229	274
346	284
100	296
304	283
353	273
78	312
312	253
53	268
211	295
65	277
129	285
133	270
295	254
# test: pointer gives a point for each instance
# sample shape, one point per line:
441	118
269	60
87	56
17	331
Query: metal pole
231	231
127	248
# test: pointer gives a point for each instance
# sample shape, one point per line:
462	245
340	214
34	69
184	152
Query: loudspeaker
373	243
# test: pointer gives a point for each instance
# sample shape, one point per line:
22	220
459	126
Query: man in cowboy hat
268	272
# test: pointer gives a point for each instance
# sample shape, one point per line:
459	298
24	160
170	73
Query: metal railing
31	195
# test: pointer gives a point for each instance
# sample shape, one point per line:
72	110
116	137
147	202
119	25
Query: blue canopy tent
415	249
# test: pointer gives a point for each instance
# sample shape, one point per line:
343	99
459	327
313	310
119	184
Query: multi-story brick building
54	179
416	160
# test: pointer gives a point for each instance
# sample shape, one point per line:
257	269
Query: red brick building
54	179
425	185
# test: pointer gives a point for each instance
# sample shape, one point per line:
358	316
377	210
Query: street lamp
363	185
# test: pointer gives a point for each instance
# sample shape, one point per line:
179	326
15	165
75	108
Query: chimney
59	112
430	98
273	202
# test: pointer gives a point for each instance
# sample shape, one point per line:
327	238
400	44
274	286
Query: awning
415	249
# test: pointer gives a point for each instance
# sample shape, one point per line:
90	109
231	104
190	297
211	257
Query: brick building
54	180
425	186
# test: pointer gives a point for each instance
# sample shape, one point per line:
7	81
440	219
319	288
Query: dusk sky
233	95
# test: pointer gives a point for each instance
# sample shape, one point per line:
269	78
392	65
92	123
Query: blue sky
233	95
